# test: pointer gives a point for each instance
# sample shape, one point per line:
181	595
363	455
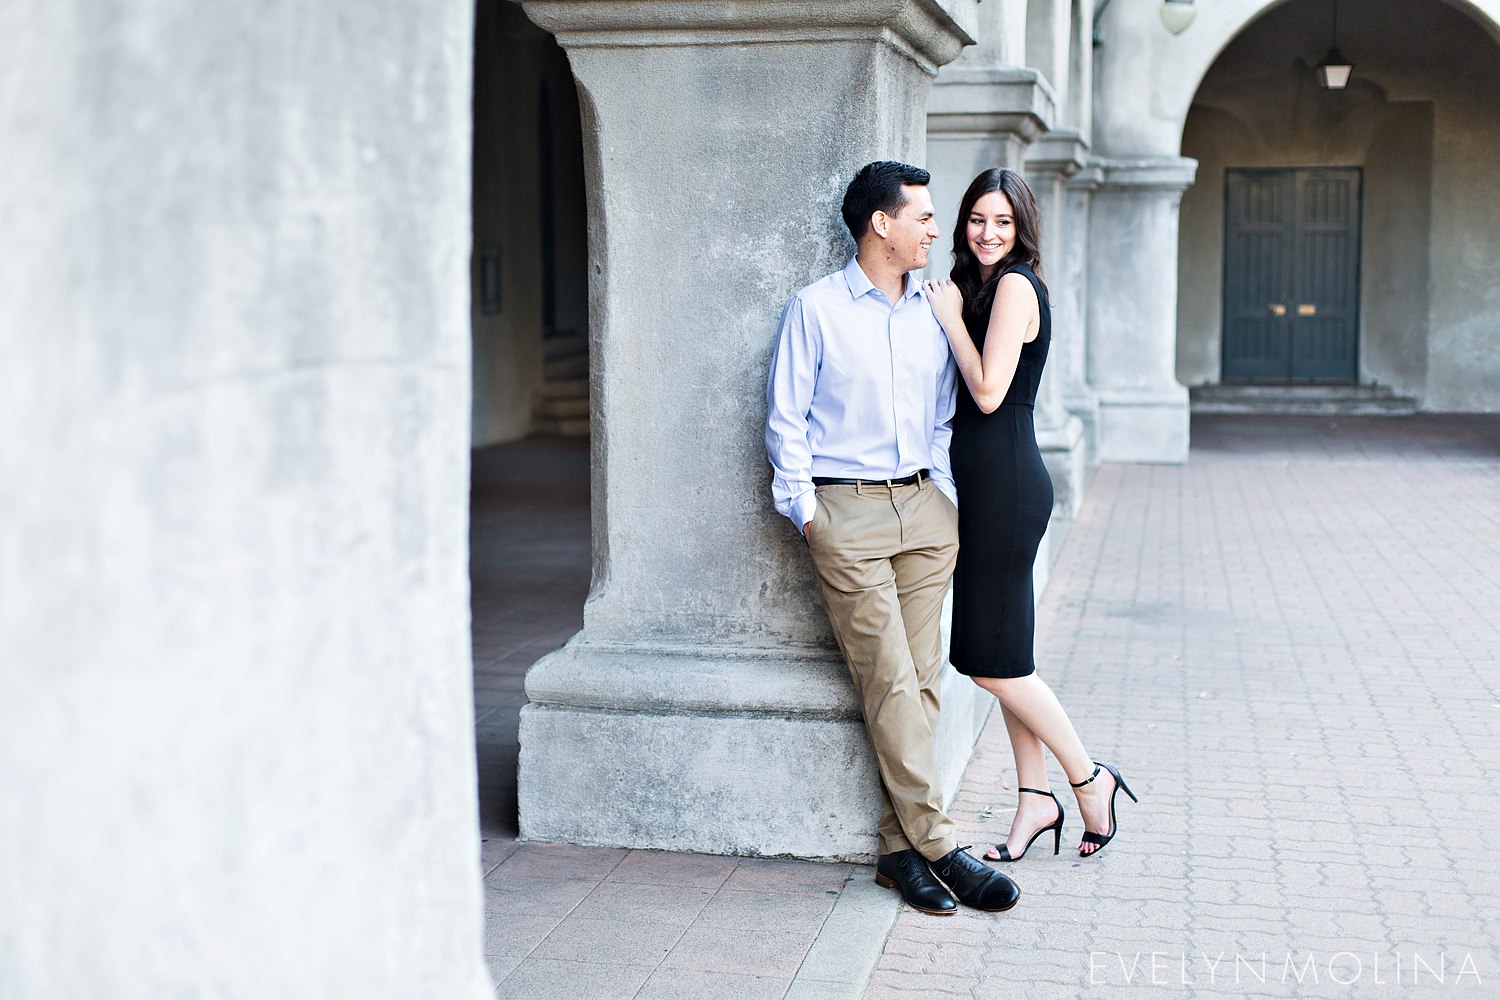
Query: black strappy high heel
1103	838
1002	853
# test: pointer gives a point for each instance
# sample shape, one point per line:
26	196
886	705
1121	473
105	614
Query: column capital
1088	178
1060	151
1005	100
929	32
1166	173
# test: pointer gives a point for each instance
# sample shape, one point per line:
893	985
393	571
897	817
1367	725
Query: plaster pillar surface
1049	163
704	705
980	117
1079	395
986	108
1132	318
236	734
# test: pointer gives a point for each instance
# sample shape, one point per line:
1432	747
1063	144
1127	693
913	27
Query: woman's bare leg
1039	717
1033	812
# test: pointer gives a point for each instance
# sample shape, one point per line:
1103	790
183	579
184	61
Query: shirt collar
859	283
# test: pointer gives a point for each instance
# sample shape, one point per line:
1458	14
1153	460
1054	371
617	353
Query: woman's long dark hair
979	294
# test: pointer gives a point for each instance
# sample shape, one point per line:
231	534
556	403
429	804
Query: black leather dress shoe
975	883
908	873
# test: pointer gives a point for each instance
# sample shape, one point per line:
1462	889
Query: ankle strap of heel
1037	791
1085	781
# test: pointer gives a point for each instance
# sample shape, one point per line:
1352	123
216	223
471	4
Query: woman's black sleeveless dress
1004	503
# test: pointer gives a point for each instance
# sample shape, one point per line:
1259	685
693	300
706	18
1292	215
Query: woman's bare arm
1015	318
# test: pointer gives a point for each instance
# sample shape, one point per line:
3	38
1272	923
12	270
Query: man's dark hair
877	188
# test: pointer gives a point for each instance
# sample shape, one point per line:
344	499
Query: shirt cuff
805	507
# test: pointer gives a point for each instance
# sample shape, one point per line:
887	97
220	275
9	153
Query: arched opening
1330	236
529	499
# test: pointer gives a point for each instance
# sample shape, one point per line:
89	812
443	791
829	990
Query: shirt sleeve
789	392
942	430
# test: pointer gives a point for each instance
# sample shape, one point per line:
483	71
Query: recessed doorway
1291	275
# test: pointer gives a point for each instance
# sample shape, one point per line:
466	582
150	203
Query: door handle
1307	310
1276	309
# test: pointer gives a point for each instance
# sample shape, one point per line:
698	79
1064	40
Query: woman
996	314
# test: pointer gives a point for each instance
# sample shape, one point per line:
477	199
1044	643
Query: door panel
1291	275
1258	230
1326	277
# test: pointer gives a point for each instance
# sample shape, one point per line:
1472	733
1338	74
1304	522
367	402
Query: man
861	397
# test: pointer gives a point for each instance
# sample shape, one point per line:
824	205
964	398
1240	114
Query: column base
1084	405
758	753
1144	427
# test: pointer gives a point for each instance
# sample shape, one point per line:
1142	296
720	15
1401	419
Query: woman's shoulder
1018	275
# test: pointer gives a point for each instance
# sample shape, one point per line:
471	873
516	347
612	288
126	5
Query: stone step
567	388
561	369
562	427
1307	400
565	345
564	408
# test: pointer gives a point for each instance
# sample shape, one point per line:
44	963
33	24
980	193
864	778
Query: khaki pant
884	556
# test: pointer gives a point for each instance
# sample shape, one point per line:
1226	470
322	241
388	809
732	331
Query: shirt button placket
890	344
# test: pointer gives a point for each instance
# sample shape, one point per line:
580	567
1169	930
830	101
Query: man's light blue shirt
858	390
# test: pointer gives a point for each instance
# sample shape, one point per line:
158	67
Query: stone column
704	706
1049	163
986	109
234	597
1143	409
1079	395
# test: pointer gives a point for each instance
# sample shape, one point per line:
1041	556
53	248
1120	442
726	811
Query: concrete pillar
1143	409
980	117
236	734
986	109
1049	163
1072	305
704	706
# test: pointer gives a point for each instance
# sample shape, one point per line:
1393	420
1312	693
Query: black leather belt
911	480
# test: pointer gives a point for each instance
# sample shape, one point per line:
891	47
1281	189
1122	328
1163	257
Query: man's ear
880	224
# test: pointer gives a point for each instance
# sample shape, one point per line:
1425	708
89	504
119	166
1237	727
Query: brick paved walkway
1291	647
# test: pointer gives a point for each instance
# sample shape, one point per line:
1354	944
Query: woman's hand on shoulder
946	300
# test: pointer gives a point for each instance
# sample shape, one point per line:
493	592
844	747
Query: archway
1410	132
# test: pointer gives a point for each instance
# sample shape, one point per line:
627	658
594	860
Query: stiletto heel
1002	853
1103	838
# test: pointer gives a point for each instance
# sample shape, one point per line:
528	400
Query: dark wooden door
1291	275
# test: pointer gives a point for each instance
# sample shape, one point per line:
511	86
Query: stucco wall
236	751
1463	363
1396	252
